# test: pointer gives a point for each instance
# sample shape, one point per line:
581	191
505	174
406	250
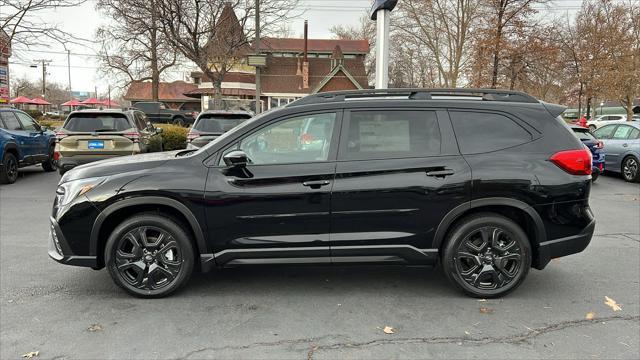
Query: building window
349	56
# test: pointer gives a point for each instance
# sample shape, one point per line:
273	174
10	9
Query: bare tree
133	43
443	28
21	20
215	34
365	30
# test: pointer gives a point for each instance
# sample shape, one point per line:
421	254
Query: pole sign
381	13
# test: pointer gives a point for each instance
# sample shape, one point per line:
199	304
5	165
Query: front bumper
565	246
59	249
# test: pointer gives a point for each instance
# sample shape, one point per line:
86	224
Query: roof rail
415	94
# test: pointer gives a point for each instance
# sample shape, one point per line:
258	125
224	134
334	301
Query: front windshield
233	131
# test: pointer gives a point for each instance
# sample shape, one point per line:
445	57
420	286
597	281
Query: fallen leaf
612	304
482	300
484	310
31	354
590	316
389	330
95	327
467	333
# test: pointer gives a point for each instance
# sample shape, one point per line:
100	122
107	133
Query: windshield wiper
104	130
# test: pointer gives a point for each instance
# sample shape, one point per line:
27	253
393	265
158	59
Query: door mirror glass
236	158
158	130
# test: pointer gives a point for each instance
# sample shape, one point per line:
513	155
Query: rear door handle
440	173
316	184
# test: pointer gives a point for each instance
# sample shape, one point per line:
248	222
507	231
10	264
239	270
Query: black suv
487	183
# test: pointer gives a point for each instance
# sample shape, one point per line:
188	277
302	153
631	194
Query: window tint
10	121
219	123
27	122
583	134
97	123
391	134
635	134
287	142
479	132
622	132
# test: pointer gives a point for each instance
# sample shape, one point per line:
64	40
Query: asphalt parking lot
318	312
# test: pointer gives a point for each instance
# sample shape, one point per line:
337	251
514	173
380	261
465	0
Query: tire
631	169
62	171
129	258
594	177
50	164
592	128
9	170
490	256
178	120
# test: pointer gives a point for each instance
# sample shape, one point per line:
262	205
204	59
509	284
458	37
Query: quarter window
622	132
635	134
479	132
299	140
391	134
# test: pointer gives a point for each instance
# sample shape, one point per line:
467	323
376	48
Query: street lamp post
601	105
381	12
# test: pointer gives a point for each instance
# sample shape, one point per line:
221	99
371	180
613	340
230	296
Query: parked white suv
603	120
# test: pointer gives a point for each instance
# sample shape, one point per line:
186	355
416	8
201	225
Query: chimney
305	59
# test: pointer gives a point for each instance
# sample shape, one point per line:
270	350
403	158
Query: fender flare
147	200
460	210
11	146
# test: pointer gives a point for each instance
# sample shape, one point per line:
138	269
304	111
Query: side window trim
344	132
216	159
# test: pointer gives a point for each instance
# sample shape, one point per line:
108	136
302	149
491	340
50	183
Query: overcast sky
83	21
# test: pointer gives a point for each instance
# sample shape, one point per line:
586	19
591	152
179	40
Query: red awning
73	102
21	100
39	101
91	101
110	103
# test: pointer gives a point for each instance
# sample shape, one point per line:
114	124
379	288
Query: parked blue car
23	142
595	146
622	148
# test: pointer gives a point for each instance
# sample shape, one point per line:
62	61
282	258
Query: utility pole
44	75
109	98
258	70
69	72
381	12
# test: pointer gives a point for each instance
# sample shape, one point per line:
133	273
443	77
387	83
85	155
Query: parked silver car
622	148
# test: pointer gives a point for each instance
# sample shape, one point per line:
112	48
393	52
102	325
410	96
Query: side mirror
237	158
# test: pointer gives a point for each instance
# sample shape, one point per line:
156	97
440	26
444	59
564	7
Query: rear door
399	173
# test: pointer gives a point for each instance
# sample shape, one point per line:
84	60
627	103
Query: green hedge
34	113
173	138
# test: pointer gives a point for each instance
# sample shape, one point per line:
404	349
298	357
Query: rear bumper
60	251
69	162
567	245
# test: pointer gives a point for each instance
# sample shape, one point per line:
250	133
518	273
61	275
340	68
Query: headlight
68	191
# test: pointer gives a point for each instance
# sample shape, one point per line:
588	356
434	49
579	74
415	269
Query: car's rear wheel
9	172
594	176
149	255
178	121
50	164
487	255
630	169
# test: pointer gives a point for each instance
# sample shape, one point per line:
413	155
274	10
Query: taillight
599	145
56	156
575	162
60	135
133	136
192	135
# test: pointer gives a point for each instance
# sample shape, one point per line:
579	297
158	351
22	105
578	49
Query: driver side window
298	140
27	122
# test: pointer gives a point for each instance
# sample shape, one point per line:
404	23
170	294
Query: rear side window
622	132
97	123
10	121
391	134
219	123
479	132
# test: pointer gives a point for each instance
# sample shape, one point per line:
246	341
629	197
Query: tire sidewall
624	162
463	230
179	235
50	164
8	158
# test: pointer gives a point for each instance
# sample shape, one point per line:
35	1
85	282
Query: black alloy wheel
9	172
50	164
487	255
630	169
149	255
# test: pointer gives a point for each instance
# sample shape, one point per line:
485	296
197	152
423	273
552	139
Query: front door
399	173
277	209
36	143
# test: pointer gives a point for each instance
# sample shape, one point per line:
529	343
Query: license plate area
95	144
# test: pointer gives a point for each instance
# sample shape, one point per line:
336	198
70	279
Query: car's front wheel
630	169
487	255
50	164
9	170
149	255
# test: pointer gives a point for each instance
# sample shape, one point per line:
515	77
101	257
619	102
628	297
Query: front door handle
316	184
440	173
625	145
